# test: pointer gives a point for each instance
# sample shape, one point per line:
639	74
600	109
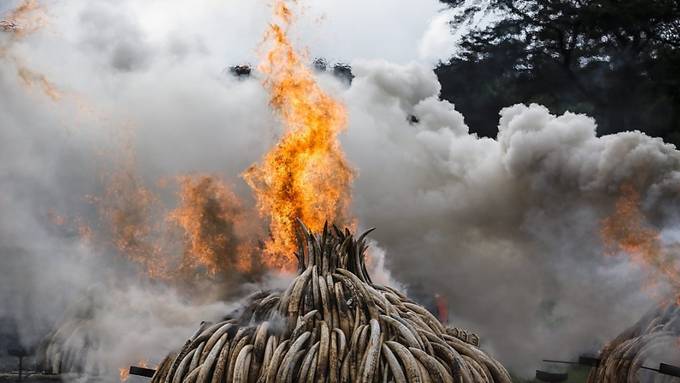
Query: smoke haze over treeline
613	60
506	228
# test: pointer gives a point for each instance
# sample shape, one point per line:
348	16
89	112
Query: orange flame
26	18
130	211
306	175
31	78
55	218
127	206
208	234
627	231
123	374
213	221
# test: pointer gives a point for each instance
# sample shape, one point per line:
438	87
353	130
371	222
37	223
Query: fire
627	231
26	18
127	206
55	218
207	234
130	211
123	374
31	78
305	175
213	222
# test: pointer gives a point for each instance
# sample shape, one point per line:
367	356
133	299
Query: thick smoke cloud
123	89
506	229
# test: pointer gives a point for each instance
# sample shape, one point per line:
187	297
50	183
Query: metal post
587	360
142	371
669	369
545	376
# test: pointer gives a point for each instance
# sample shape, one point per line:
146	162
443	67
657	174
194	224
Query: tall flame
214	226
208	234
128	208
627	231
31	78
305	175
28	17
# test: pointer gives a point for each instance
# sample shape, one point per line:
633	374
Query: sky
403	31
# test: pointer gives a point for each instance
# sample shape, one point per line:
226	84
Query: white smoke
506	229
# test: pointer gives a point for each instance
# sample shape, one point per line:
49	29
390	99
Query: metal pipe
669	369
588	360
559	361
545	376
666	369
142	371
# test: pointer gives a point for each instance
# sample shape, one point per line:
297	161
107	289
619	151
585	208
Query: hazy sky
397	31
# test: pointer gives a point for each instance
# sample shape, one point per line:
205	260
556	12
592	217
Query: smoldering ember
340	191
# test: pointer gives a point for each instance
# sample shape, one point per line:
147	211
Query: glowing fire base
332	324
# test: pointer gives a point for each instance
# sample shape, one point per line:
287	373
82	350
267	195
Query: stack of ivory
67	349
332	324
656	334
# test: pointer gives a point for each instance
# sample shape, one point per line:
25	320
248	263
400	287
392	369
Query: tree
616	60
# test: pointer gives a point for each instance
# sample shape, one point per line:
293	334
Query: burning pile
627	231
657	333
653	335
305	175
331	324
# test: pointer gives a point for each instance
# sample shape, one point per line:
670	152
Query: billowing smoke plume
84	232
508	230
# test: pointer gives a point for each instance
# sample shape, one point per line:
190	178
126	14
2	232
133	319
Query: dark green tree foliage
616	60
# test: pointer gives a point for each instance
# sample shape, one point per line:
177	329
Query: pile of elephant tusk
622	359
65	349
332	324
